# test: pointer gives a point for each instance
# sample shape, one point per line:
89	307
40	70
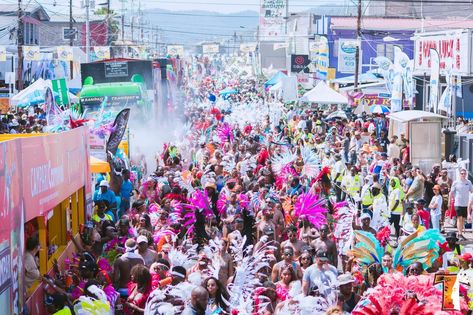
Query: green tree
113	25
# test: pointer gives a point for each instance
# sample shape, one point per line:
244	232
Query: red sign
453	49
53	168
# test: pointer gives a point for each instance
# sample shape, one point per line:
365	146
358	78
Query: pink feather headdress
225	133
310	206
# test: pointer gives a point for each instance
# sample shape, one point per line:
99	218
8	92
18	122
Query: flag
64	53
434	79
384	65
102	52
31	53
3	53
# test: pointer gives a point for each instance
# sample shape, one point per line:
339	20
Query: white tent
36	90
323	94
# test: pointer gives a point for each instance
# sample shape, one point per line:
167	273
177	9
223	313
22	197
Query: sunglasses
288	254
305	258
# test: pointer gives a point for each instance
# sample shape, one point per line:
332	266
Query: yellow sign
102	52
65	53
3	53
176	50
31	53
211	49
248	47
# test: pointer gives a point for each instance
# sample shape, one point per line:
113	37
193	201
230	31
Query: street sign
299	63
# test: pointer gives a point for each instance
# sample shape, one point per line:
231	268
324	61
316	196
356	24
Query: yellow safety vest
392	201
367	198
353	185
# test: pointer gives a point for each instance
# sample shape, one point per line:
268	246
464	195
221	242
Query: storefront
44	188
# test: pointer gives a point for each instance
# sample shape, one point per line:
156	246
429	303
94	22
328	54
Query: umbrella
379	109
338	114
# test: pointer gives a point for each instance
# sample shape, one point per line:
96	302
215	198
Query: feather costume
414	295
311	163
310	206
225	133
279	162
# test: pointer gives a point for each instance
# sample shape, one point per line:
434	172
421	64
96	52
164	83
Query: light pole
87	31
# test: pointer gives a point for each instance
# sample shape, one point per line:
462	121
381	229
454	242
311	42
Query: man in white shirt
460	191
393	150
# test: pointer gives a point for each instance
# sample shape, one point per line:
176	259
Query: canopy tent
323	94
409	115
275	79
34	94
98	166
368	77
277	87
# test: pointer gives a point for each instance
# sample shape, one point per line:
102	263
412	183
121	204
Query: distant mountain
192	27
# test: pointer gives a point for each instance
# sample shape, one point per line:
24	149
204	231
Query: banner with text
272	20
175	50
31	53
65	53
347	56
208	49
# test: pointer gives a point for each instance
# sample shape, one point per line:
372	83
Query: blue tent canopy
275	79
228	90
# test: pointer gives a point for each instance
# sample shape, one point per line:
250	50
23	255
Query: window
380	50
66	33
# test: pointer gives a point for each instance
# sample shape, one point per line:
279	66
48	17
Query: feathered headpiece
225	133
310	206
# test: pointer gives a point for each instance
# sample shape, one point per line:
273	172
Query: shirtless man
238	231
327	245
292	241
278	220
123	265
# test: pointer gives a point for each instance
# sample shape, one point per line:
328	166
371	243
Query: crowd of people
22	120
271	210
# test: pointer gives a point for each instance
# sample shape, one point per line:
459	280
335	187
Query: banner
138	52
47	180
60	87
384	66
404	66
248	47
175	50
65	53
434	79
102	52
347	55
31	53
453	48
299	63
272	20
322	59
210	49
277	46
3	53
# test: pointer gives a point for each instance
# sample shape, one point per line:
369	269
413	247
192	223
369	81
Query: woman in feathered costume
401	295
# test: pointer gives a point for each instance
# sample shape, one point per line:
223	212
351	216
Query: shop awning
98	166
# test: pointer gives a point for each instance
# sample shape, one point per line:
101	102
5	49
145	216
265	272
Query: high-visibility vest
392	200
354	185
367	198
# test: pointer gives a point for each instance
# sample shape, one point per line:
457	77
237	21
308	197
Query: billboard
210	49
453	49
272	20
347	56
175	50
300	63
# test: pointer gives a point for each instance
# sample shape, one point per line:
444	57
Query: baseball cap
322	255
104	183
345	279
142	239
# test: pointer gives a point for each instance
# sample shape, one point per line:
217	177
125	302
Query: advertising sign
434	79
175	50
102	52
299	63
116	69
60	87
65	53
272	23
3	53
347	55
49	180
452	48
248	47
210	49
31	53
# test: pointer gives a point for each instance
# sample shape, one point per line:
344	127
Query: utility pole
71	38
358	44
20	39
87	31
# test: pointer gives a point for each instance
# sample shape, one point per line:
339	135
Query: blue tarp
275	79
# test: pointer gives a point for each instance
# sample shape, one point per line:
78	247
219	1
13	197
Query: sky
221	6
